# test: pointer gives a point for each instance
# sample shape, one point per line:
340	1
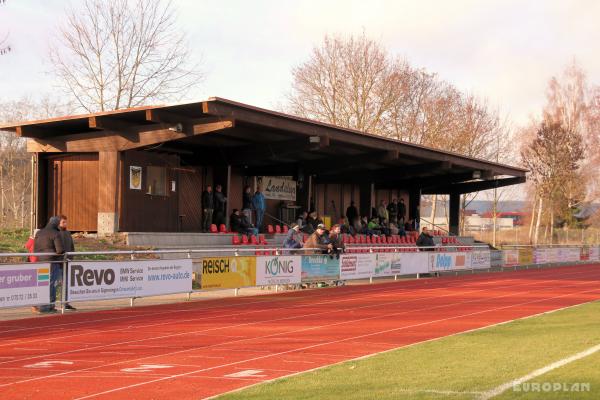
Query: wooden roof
266	142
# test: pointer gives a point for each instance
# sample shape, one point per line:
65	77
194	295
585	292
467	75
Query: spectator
408	226
401	212
417	219
336	241
69	247
235	220
425	240
247	203
208	206
48	240
394	229
382	212
393	211
29	246
312	220
374	227
220	200
260	205
293	239
318	241
246	227
351	212
358	226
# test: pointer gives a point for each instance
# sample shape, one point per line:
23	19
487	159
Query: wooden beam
287	123
397	172
332	165
242	155
111	141
469	187
30	131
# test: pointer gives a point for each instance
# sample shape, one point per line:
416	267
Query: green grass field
462	366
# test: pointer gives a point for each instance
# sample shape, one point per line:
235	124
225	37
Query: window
156	181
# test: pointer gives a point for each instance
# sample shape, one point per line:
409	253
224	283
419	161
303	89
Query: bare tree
4	46
114	54
15	162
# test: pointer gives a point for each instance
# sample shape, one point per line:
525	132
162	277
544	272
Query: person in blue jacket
260	205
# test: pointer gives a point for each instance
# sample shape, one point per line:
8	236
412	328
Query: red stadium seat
270	229
235	240
262	240
285	229
277	229
244	239
222	228
213	228
253	240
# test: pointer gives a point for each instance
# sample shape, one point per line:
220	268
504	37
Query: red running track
205	348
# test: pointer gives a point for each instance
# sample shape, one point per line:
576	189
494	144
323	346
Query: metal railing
191	253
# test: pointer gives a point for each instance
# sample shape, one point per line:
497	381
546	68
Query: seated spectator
293	239
382	212
425	240
312	220
234	220
318	241
335	239
408	227
393	229
374	226
246	226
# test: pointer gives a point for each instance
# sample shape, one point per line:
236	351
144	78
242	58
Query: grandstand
140	172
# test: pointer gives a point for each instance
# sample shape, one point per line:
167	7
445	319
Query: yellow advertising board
228	272
526	256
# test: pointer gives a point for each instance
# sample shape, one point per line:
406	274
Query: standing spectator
301	221
401	212
293	239
318	241
393	211
425	240
351	212
260	205
68	246
417	219
48	240
208	206
382	212
247	203
220	200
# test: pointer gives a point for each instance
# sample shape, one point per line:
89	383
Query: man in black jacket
425	240
401	212
48	240
68	246
351	213
208	206
220	201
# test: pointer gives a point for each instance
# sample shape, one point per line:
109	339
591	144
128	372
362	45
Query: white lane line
309	294
310	302
323	344
376	305
505	386
322	326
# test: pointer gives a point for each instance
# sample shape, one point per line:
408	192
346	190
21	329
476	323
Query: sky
503	51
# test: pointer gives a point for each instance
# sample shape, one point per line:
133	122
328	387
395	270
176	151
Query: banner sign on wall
595	253
450	261
511	258
526	256
24	285
357	265
95	280
480	259
278	270
388	264
277	187
320	267
228	272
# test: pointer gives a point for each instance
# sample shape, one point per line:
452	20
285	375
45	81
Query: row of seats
277	229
